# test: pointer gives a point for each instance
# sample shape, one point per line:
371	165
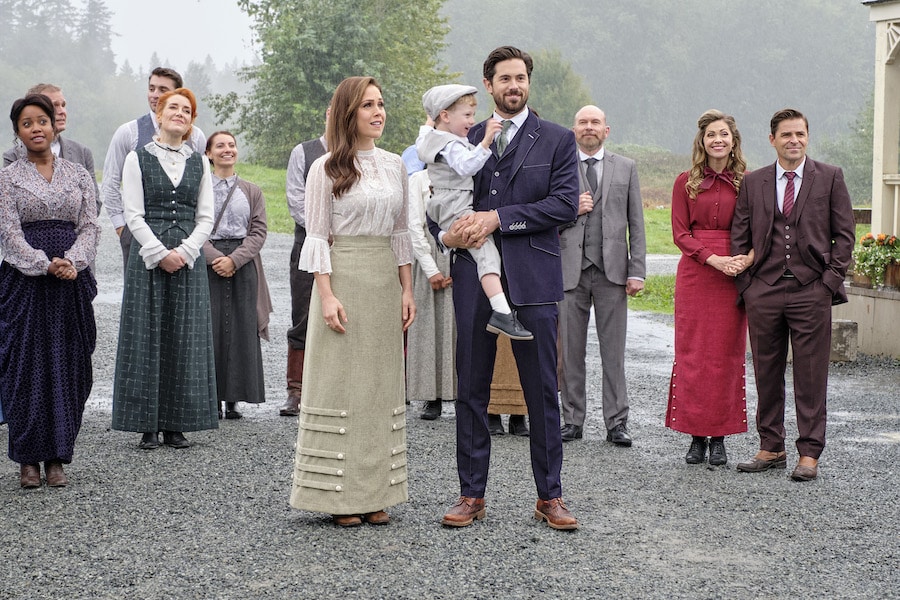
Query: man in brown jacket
797	217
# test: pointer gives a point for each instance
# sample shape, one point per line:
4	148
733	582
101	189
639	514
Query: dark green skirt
165	376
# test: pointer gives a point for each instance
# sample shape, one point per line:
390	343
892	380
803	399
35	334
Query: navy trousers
476	350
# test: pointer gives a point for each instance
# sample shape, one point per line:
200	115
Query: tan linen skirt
351	444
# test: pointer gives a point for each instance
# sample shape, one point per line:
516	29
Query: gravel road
213	521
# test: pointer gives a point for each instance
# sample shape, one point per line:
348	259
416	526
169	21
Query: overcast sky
193	29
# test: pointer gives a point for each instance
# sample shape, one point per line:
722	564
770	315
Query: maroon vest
783	254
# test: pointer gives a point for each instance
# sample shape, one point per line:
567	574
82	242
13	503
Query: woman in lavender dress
48	238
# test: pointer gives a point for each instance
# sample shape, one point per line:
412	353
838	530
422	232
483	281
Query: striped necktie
788	204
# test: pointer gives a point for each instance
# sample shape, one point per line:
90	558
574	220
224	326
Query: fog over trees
652	65
655	65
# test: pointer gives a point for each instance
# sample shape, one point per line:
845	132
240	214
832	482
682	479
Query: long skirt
239	367
351	444
706	391
47	336
165	377
431	340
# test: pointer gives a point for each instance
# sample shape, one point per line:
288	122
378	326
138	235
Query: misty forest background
653	65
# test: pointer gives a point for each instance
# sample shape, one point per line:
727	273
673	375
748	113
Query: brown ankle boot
291	406
30	476
56	477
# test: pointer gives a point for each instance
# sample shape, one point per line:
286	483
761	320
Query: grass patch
657	296
658	230
272	182
657	169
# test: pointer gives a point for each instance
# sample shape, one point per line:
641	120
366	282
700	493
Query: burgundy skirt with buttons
707	389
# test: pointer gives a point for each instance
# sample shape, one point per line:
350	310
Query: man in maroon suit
797	218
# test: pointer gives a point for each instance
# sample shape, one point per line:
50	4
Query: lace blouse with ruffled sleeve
375	205
25	196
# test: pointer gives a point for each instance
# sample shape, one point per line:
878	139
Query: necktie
788	204
591	173
503	141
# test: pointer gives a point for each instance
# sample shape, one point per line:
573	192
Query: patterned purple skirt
47	336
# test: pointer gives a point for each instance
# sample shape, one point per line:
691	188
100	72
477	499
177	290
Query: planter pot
860	280
892	276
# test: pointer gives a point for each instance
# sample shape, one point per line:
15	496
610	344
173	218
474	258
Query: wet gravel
213	521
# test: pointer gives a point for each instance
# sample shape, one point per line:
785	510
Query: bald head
54	92
590	129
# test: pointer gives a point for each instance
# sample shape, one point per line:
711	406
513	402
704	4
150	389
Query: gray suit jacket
68	149
624	244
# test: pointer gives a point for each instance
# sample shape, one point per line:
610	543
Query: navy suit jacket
539	195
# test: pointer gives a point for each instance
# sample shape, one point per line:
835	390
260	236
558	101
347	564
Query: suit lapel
809	175
609	166
770	204
521	145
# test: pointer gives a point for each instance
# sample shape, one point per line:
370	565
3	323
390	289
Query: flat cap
443	96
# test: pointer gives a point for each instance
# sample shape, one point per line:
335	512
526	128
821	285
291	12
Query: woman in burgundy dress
706	392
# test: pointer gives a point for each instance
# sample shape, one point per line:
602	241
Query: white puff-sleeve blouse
375	205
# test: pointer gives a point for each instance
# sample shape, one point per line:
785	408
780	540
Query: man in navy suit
526	190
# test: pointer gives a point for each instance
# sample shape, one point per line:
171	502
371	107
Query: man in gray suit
62	147
603	262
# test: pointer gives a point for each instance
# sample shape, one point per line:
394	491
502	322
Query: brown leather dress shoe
556	514
464	512
807	469
30	476
347	520
758	465
56	477
377	518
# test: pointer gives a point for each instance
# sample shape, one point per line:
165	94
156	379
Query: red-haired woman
165	372
351	448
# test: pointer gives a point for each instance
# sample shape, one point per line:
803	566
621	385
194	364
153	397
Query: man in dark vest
796	217
131	136
302	157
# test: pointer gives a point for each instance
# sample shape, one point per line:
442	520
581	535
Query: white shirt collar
183	149
780	171
518	120
598	155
